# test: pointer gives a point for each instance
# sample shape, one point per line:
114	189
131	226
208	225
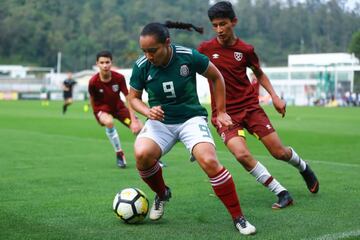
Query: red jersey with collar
232	62
106	95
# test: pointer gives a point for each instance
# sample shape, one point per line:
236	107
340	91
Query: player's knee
107	121
242	155
141	154
210	164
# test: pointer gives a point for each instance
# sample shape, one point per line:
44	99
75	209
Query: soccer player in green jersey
168	73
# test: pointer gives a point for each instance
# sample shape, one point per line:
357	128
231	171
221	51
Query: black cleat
120	159
284	200
311	181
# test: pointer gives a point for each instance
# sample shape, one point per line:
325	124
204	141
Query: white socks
114	138
296	161
263	176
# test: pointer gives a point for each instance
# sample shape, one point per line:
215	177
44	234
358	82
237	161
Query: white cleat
157	209
244	226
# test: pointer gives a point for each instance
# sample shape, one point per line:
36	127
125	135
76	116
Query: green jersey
173	87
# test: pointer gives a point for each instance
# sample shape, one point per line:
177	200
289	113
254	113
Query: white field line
341	235
307	160
218	151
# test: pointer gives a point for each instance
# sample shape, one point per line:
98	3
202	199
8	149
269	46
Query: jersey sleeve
201	62
253	60
91	88
136	80
123	87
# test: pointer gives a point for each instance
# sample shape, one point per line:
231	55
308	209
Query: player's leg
67	102
150	144
237	146
273	143
196	136
222	184
107	120
123	115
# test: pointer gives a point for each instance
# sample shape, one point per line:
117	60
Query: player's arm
264	81
91	90
64	87
154	113
135	125
214	75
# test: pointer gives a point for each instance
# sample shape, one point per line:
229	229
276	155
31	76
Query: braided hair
161	31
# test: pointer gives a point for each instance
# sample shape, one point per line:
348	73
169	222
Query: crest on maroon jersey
115	87
238	56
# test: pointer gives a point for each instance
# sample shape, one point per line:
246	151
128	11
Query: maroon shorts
122	114
255	121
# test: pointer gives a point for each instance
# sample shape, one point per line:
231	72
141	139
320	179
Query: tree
355	44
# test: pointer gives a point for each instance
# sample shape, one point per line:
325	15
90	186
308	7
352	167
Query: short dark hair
104	53
222	9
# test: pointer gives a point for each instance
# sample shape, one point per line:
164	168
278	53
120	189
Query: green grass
58	178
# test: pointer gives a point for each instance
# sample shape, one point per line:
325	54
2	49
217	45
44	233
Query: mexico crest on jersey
238	56
184	71
115	87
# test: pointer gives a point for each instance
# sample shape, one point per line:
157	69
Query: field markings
340	235
306	160
126	143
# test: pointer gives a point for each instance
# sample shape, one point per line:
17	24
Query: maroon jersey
232	62
106	95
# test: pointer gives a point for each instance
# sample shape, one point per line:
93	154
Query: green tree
355	44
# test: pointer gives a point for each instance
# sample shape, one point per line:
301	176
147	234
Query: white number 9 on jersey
169	88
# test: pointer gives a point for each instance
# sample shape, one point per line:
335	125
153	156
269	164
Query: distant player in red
104	90
232	56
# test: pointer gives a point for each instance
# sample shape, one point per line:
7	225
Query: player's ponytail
161	31
181	25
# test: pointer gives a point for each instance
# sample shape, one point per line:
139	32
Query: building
312	77
307	80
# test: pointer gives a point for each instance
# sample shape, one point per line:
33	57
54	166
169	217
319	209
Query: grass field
58	178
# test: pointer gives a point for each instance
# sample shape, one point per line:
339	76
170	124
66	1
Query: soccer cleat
162	164
284	200
244	226
157	209
120	159
311	181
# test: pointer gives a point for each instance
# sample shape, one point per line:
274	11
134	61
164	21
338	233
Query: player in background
168	73
68	86
232	56
104	89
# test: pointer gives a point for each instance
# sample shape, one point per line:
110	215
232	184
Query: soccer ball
131	205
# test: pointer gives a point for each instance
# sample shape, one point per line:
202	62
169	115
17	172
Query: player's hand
156	113
280	105
136	126
223	119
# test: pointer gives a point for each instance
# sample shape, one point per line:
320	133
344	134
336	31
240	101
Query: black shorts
67	95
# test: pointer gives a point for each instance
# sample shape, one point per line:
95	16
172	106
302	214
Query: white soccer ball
131	205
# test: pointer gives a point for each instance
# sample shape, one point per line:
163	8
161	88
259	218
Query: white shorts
193	131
